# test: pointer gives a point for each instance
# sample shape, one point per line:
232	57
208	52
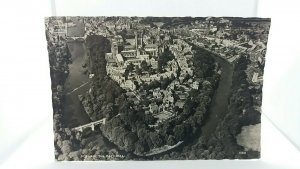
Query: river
219	105
74	113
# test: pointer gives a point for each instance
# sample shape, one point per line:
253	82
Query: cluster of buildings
230	41
93	26
135	49
133	53
232	49
228	37
129	54
183	55
56	34
232	38
163	104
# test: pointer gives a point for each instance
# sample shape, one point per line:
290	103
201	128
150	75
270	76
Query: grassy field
249	138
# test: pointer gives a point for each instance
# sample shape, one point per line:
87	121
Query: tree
187	108
75	155
149	119
155	139
165	57
159	66
142	133
144	66
141	147
171	140
138	70
179	132
172	76
126	73
66	147
130	67
164	82
130	140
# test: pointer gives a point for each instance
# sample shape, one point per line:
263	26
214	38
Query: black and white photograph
156	88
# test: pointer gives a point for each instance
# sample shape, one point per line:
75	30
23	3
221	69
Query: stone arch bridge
90	125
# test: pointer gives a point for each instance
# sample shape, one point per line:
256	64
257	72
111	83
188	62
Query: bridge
74	38
90	125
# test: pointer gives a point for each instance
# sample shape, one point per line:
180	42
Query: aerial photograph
156	88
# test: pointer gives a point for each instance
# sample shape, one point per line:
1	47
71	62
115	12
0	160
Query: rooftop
119	58
129	46
151	46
